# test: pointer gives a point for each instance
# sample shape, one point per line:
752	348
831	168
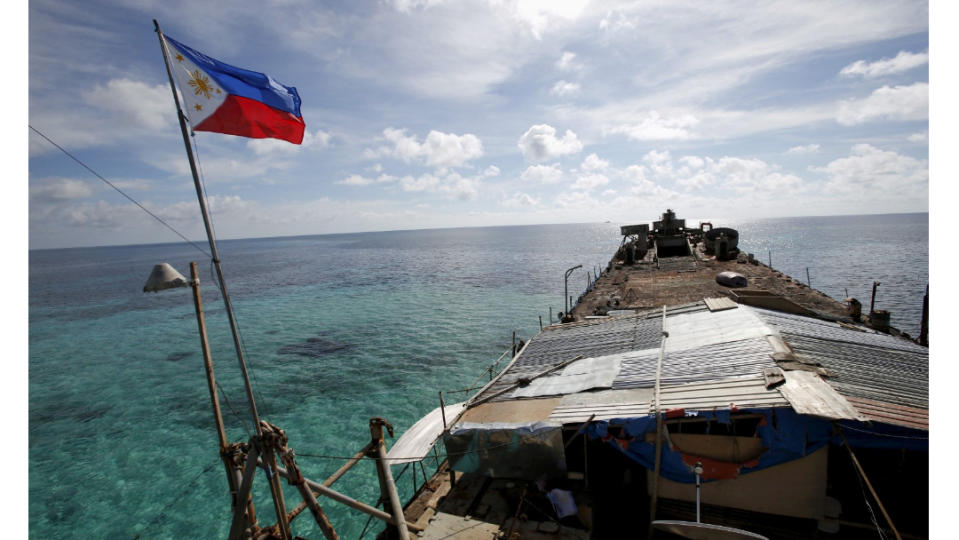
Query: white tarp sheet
579	376
417	441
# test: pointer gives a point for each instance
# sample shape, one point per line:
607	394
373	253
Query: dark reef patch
315	347
177	356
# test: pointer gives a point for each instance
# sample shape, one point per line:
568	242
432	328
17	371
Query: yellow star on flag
198	107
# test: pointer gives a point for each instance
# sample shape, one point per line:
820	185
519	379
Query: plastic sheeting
532	450
417	441
785	436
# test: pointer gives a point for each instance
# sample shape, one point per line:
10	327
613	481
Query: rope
179	496
885	434
120	191
416	458
230	405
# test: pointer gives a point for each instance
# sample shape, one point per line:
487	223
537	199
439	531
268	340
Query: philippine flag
222	98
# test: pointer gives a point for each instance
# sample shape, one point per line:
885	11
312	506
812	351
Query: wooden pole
231	472
868	484
659	428
335	476
349	501
237	527
317	512
387	484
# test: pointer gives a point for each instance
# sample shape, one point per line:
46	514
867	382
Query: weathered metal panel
741	392
606	404
719	361
890	413
719	304
808	394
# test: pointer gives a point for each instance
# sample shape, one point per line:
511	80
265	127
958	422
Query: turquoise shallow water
337	329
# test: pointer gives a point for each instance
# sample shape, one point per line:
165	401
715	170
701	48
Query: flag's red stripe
250	118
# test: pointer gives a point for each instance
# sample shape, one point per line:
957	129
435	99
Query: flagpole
209	233
276	489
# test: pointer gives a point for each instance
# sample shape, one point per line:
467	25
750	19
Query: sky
432	113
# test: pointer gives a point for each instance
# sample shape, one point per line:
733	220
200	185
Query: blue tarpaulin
786	436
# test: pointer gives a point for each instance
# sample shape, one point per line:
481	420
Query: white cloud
903	61
520	200
594	163
588	182
615	22
564	88
755	178
150	107
544	15
59	189
358	180
804	149
491	171
565	61
406	6
450	184
656	128
892	103
540	143
919	137
317	140
542	174
635	173
870	172
438	150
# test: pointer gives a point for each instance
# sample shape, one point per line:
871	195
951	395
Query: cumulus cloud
804	149
540	143
746	177
438	150
542	174
587	182
316	140
903	61
491	171
520	200
358	180
871	171
594	163
892	103
59	189
451	184
564	88
544	15
140	103
657	128
565	61
919	137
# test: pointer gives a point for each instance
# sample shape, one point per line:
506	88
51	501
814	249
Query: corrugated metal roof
742	392
809	394
868	365
714	359
888	413
710	362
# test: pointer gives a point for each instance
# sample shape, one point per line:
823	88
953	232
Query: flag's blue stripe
243	82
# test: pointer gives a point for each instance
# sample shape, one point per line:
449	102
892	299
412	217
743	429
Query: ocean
337	329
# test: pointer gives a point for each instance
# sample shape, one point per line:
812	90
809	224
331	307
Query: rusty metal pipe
349	501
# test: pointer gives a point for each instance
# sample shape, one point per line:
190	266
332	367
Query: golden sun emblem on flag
201	84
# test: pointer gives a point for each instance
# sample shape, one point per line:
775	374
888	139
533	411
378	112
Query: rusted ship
690	392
